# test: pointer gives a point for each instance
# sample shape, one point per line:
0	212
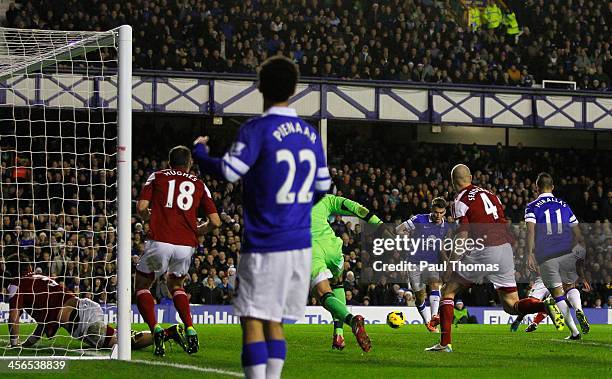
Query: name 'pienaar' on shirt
554	219
287	128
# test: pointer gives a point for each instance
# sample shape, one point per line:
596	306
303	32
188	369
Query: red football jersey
175	197
41	297
485	214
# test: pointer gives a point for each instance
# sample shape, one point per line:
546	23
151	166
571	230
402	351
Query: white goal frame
123	35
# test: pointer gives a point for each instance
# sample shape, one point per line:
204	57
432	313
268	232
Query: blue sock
560	298
277	351
255	359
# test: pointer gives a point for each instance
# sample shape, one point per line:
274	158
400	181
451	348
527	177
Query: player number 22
185	198
284	194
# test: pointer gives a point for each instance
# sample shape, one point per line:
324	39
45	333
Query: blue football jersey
280	159
423	228
553	219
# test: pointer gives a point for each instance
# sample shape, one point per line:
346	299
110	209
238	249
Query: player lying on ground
425	226
328	263
281	162
170	200
52	307
554	245
481	217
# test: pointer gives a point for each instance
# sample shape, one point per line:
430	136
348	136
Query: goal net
62	155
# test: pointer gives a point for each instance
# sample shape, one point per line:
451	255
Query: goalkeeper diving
328	263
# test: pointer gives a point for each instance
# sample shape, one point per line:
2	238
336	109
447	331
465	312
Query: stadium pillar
323	133
124	198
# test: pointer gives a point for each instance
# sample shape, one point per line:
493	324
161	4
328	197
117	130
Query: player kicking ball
431	226
280	159
481	218
52	307
170	200
328	263
554	242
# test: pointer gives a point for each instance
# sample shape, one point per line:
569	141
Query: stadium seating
345	39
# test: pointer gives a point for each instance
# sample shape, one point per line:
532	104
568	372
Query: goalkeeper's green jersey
337	205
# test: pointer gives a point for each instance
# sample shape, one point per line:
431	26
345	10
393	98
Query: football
396	319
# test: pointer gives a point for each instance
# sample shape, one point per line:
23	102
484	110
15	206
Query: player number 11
549	224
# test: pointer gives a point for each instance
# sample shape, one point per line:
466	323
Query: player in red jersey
52	307
170	201
481	219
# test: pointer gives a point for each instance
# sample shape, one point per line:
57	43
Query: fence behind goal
65	188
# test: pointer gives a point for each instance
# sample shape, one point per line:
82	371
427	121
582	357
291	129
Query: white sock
569	320
255	372
434	302
425	312
275	367
573	297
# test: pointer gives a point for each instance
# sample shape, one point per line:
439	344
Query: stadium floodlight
66	178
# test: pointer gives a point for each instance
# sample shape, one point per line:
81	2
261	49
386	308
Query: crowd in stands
402	40
70	235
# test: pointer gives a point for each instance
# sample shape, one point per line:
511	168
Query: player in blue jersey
428	227
280	159
553	240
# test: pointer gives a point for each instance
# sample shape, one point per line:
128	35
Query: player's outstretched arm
346	207
234	164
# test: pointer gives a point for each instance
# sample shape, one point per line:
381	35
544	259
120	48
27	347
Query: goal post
65	184
124	166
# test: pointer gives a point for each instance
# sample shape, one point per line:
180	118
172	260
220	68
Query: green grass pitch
481	351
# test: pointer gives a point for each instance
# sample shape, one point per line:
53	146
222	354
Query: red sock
446	320
146	307
529	305
539	317
181	303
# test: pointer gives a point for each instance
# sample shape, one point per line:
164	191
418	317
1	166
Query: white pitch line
581	342
188	367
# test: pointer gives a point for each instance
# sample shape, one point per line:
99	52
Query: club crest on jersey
237	148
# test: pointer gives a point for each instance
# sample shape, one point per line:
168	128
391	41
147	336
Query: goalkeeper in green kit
328	262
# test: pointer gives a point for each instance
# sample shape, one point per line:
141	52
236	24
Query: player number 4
185	198
284	194
489	207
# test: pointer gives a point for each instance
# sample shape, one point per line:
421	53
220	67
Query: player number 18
185	198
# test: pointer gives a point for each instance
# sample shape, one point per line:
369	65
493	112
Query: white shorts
162	257
420	278
559	270
273	286
539	290
90	326
500	256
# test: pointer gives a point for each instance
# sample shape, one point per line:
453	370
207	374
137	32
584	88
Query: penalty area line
603	344
188	367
